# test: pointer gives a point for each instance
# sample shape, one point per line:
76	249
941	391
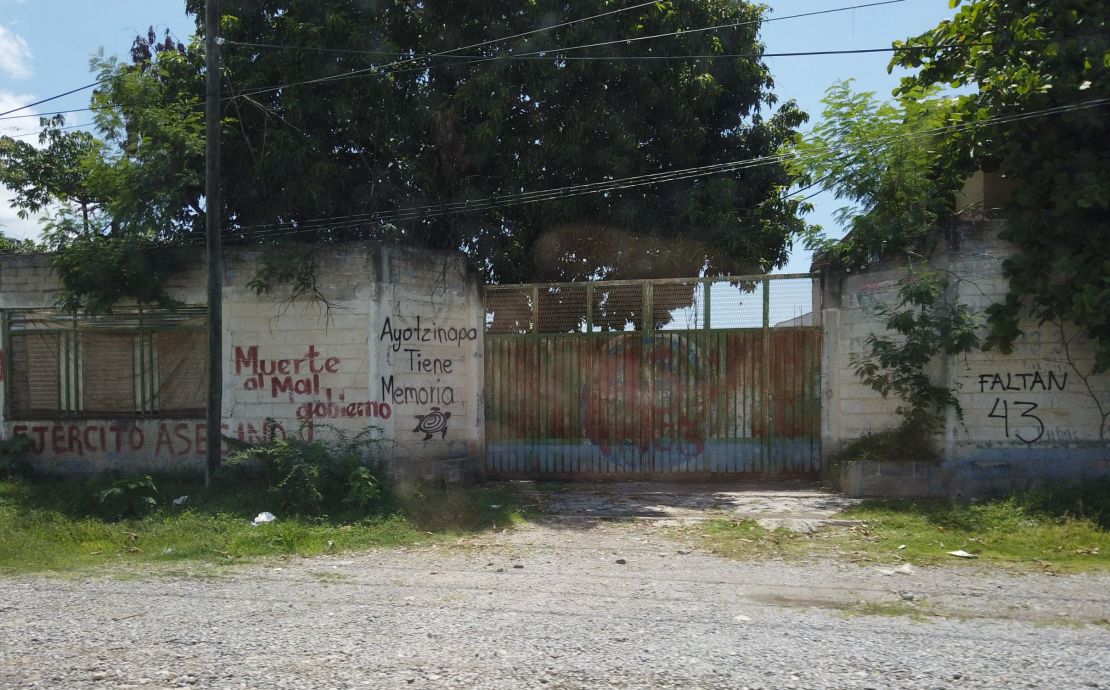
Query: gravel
558	605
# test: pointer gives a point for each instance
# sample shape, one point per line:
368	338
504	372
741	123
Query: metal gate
661	378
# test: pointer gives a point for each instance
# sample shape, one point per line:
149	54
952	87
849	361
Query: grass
55	525
1065	529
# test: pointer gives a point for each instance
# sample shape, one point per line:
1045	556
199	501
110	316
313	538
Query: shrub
310	477
912	441
10	449
130	497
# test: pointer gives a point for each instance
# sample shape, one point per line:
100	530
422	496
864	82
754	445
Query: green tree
51	172
884	159
111	201
476	125
1025	56
304	139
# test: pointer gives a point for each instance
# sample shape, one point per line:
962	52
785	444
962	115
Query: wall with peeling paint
395	353
1035	414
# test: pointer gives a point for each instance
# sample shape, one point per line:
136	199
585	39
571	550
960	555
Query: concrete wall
395	353
1033	415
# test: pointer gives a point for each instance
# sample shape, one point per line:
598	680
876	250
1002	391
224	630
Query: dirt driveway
562	603
798	505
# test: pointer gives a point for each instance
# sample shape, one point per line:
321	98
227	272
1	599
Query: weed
11	449
57	525
310	477
130	497
909	442
1059	529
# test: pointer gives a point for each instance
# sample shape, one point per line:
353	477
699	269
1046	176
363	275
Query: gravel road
554	605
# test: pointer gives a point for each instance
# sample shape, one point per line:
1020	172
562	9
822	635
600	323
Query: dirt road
566	603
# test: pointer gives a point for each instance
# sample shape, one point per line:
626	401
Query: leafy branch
925	323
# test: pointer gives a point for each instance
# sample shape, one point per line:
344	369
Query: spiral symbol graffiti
435	422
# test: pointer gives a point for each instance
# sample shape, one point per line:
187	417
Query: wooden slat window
35	374
109	372
104	366
182	370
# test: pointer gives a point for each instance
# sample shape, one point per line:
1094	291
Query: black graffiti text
425	334
419	364
1031	381
416	395
1023	433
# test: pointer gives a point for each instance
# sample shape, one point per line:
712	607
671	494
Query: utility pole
212	217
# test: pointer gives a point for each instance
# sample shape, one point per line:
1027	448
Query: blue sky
45	47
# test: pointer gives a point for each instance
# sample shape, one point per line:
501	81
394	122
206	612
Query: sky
45	46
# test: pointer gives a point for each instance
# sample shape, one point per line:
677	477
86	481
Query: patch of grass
55	525
1059	530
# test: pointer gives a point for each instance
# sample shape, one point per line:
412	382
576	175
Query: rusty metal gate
661	378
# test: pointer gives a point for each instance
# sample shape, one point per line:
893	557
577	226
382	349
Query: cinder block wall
1029	416
395	352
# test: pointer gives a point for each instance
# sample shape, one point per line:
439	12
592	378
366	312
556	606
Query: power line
474	205
446	52
452	50
413	57
546	28
534	55
683	32
28	134
697	56
53	98
382	68
53	112
608	58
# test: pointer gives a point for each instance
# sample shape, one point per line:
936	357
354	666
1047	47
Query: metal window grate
792	303
509	310
618	307
678	306
693	304
562	309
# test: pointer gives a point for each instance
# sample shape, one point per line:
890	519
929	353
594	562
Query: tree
113	200
479	124
884	158
1026	56
330	112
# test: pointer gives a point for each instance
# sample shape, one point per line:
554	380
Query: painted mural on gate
633	404
664	415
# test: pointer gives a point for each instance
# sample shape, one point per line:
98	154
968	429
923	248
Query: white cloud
15	54
11	225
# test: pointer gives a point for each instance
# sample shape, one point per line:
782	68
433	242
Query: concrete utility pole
212	217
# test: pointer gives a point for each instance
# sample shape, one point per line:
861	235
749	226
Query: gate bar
765	378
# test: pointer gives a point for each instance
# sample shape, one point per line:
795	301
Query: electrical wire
52	112
535	55
29	134
474	205
684	32
378	69
695	56
412	57
53	98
